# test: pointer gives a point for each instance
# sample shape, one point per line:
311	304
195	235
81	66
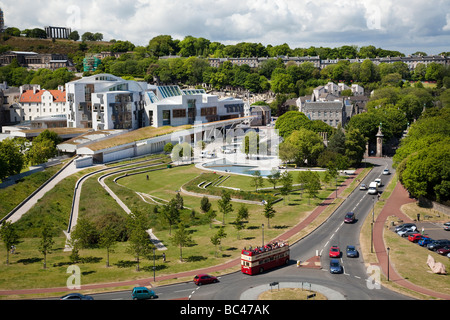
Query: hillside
49	46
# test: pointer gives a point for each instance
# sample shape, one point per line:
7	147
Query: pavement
392	207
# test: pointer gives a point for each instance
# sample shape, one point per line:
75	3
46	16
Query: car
405	225
139	293
424	241
379	182
406	231
352	252
437	244
349	217
386	172
415	237
362	186
447	226
444	251
204	279
335	266
335	252
76	296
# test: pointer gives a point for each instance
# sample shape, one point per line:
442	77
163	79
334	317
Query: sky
407	26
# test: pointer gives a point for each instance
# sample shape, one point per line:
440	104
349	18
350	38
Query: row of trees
423	159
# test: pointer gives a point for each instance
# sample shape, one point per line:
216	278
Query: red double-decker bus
260	259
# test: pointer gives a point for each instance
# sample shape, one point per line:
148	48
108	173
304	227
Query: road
356	283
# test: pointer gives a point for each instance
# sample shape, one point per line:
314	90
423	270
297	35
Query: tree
225	205
205	205
47	242
85	234
108	238
210	216
181	238
242	215
139	242
74	36
257	179
269	212
312	185
171	213
307	145
286	184
11	158
216	239
274	177
355	146
9	236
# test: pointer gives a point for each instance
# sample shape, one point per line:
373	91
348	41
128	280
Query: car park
76	296
437	244
335	252
405	225
140	293
415	237
335	266
352	252
349	217
204	279
386	172
444	251
424	241
447	226
362	186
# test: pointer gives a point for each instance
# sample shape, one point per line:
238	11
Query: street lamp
388	249
154	266
262	229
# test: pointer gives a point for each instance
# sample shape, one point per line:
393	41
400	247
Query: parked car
140	293
386	172
335	266
444	251
204	279
406	231
362	186
424	241
335	252
379	182
76	296
437	244
405	225
352	252
415	237
349	217
447	226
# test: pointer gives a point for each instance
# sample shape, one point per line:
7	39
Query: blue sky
404	25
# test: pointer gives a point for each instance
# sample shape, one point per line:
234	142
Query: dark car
335	266
349	217
352	252
437	244
140	293
444	251
204	279
76	296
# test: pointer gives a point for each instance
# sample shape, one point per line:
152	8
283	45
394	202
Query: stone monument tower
379	142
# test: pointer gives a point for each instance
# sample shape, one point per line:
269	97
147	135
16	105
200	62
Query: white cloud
405	25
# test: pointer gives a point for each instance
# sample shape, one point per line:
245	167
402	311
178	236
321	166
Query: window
166	117
208	111
179	113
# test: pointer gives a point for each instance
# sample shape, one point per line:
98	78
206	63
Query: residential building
332	113
37	103
10	109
